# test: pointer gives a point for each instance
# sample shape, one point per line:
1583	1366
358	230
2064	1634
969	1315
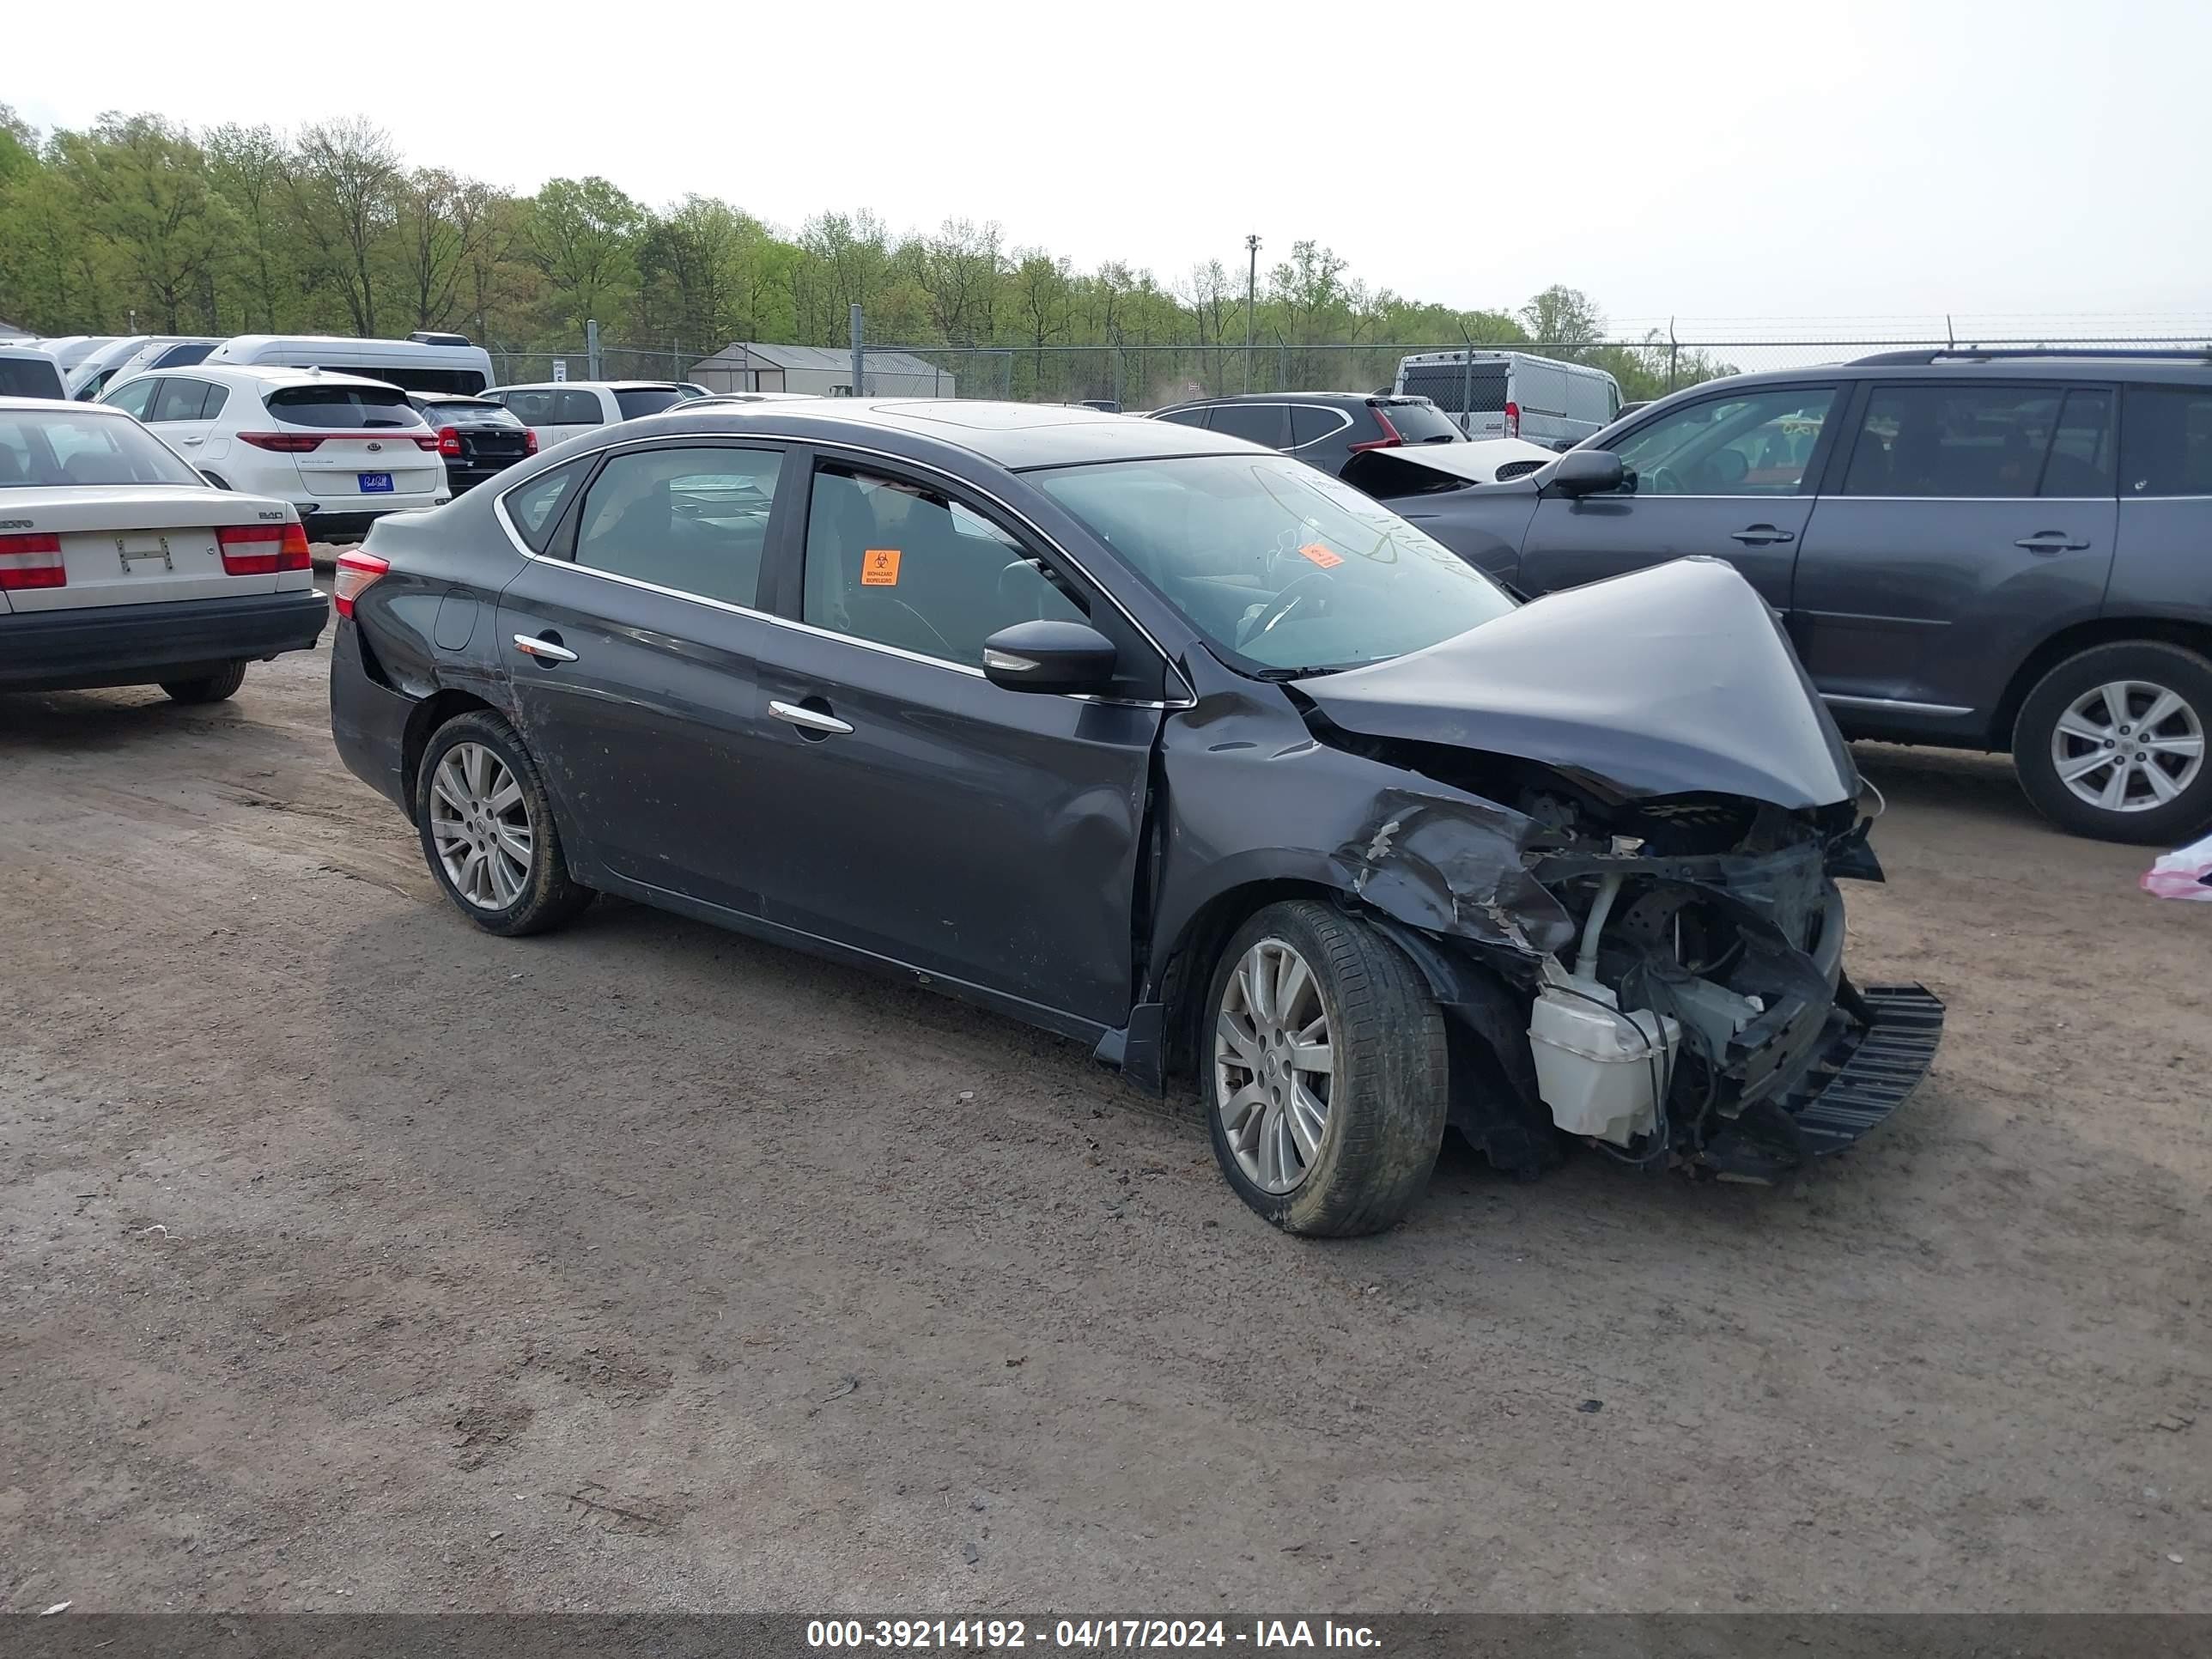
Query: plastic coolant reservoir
1597	1067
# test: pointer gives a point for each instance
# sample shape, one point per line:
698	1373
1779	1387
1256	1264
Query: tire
1386	1086
510	898
2147	675
208	688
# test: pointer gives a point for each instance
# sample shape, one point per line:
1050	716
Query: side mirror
1586	472
1049	656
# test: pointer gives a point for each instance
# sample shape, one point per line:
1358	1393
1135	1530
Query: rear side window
186	400
648	400
535	508
342	407
1984	442
1419	421
1262	423
2166	448
575	409
693	520
2080	458
28	377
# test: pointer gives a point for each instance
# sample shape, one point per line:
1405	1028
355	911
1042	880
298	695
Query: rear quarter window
2165	441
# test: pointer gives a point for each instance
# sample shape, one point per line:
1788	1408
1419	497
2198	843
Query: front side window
1283	567
42	451
693	520
1757	443
901	564
342	407
1963	442
2167	449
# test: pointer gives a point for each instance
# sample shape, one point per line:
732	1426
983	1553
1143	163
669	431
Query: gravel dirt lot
352	1259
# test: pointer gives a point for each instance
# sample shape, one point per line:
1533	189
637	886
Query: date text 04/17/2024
1085	1633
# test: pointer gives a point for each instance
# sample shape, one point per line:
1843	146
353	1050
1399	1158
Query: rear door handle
543	650
188	442
1760	535
808	719
2051	541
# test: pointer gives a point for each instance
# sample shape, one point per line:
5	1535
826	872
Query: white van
1512	394
69	349
411	365
28	371
97	367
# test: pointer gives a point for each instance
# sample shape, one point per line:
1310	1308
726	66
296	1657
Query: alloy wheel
480	825
2128	746
1273	1068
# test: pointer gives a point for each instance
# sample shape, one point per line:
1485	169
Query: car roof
2054	367
59	406
267	377
611	386
1015	436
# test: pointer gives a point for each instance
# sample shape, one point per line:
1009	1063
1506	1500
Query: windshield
336	408
1281	567
648	400
42	451
1419	421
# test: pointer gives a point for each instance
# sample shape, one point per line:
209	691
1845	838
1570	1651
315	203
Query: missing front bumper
1867	1067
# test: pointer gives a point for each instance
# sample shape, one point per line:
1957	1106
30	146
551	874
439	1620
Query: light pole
1251	292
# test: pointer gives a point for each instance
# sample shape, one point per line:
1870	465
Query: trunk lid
141	544
1674	680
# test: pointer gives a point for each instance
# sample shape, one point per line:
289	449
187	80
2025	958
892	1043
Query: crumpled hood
1672	680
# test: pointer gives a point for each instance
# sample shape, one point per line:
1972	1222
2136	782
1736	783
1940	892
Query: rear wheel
487	830
1326	1074
2111	743
208	688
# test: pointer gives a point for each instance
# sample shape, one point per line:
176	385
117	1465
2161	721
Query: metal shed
824	371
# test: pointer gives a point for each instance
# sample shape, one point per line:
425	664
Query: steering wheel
1313	582
1662	481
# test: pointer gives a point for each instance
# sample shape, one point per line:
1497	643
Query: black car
1163	743
1997	550
477	437
1323	429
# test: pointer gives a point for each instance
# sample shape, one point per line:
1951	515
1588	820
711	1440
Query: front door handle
2051	541
808	719
1760	535
543	650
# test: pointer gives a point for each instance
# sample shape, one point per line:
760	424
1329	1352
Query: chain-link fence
1140	373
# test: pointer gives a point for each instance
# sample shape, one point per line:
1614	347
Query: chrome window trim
1985	499
1189	700
1896	703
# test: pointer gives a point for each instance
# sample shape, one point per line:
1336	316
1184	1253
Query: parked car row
2002	550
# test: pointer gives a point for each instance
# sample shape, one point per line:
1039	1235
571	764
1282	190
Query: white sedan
119	565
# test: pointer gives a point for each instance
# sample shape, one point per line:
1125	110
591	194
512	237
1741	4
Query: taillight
530	440
32	562
448	441
1512	420
1390	438
357	572
285	443
250	550
292	554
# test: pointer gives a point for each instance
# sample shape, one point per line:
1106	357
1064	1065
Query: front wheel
2110	742
1326	1072
487	830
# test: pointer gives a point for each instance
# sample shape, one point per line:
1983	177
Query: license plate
375	484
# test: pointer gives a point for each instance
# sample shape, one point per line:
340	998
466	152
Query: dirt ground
352	1259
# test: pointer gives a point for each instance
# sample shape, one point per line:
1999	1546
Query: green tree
581	237
344	181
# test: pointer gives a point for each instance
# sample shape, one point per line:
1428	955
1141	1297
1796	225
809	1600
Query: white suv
344	451
561	409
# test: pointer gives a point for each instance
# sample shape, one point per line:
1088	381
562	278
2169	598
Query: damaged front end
1617	869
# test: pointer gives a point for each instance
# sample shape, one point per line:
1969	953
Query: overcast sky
1741	161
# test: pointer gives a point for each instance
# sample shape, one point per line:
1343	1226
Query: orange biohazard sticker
879	567
1321	556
